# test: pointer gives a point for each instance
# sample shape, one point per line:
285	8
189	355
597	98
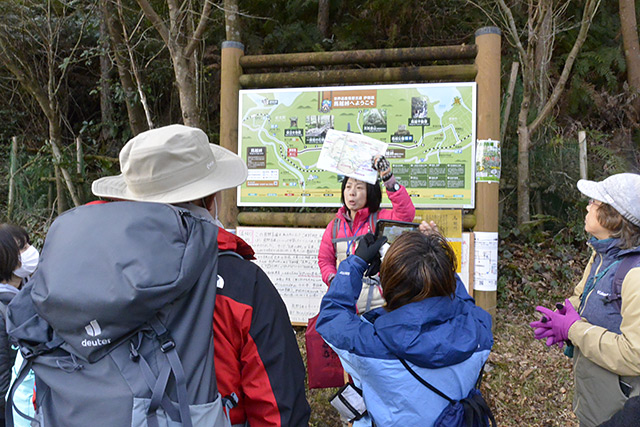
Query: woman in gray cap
600	322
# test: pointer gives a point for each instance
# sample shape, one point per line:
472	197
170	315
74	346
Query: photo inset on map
419	108
374	120
316	128
402	134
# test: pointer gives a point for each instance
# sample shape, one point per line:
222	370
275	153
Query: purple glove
542	329
559	322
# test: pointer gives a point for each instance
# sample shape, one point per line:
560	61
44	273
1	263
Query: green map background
444	155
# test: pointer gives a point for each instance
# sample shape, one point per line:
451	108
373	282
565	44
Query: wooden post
230	69
488	40
12	172
582	143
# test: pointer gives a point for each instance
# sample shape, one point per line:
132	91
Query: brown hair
619	227
417	267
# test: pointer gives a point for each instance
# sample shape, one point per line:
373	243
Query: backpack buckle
166	342
133	353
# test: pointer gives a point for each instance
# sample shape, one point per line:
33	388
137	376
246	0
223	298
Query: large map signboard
430	130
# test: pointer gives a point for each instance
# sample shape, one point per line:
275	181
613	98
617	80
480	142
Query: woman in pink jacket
358	215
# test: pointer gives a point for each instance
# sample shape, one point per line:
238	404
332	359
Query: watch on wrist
395	187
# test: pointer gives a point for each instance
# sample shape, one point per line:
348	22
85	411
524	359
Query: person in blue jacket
429	320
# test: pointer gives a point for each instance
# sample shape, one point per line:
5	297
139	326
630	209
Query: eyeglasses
594	202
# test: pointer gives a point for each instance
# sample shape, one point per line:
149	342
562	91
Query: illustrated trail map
350	154
429	128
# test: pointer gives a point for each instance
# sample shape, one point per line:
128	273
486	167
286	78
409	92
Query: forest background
93	73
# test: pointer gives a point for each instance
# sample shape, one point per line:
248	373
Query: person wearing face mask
18	261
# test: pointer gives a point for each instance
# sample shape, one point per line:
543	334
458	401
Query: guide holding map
358	215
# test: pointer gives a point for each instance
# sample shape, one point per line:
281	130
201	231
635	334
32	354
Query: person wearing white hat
600	322
256	354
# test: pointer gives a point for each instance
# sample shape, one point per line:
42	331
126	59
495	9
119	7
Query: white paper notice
350	154
486	261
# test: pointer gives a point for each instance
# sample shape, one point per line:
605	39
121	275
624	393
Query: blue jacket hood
436	332
432	333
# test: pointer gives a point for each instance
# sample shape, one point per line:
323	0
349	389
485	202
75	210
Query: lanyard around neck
344	226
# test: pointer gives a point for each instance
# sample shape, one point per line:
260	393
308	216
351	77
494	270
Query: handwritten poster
486	261
289	256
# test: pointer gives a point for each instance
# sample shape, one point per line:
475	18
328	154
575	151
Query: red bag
323	364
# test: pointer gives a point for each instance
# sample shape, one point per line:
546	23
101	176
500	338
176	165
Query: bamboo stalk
65	173
582	143
12	173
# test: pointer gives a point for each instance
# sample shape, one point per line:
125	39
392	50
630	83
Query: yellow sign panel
449	221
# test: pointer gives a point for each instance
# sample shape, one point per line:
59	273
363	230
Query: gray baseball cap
621	192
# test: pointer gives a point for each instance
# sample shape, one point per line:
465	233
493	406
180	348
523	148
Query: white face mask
29	261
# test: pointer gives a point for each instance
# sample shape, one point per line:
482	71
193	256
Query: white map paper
350	154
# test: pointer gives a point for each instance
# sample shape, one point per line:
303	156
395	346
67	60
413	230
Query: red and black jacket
256	352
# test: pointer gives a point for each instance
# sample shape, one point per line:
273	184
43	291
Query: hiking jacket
7	354
256	352
446	340
608	337
403	210
606	340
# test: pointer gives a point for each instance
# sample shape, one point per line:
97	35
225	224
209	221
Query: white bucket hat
620	191
172	164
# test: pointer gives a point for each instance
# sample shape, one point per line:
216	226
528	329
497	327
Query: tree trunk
524	143
232	23
61	203
133	68
323	17
12	176
543	52
106	106
54	138
137	121
186	90
536	29
182	39
628	26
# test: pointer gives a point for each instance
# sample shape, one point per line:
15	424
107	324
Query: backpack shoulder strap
334	235
627	263
373	219
11	406
424	382
230	253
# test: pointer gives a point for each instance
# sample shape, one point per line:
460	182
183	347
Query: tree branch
155	19
202	26
590	9
511	24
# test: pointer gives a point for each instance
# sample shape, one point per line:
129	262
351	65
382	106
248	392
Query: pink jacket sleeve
403	209
327	255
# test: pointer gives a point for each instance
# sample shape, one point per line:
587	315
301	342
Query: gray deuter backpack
117	321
